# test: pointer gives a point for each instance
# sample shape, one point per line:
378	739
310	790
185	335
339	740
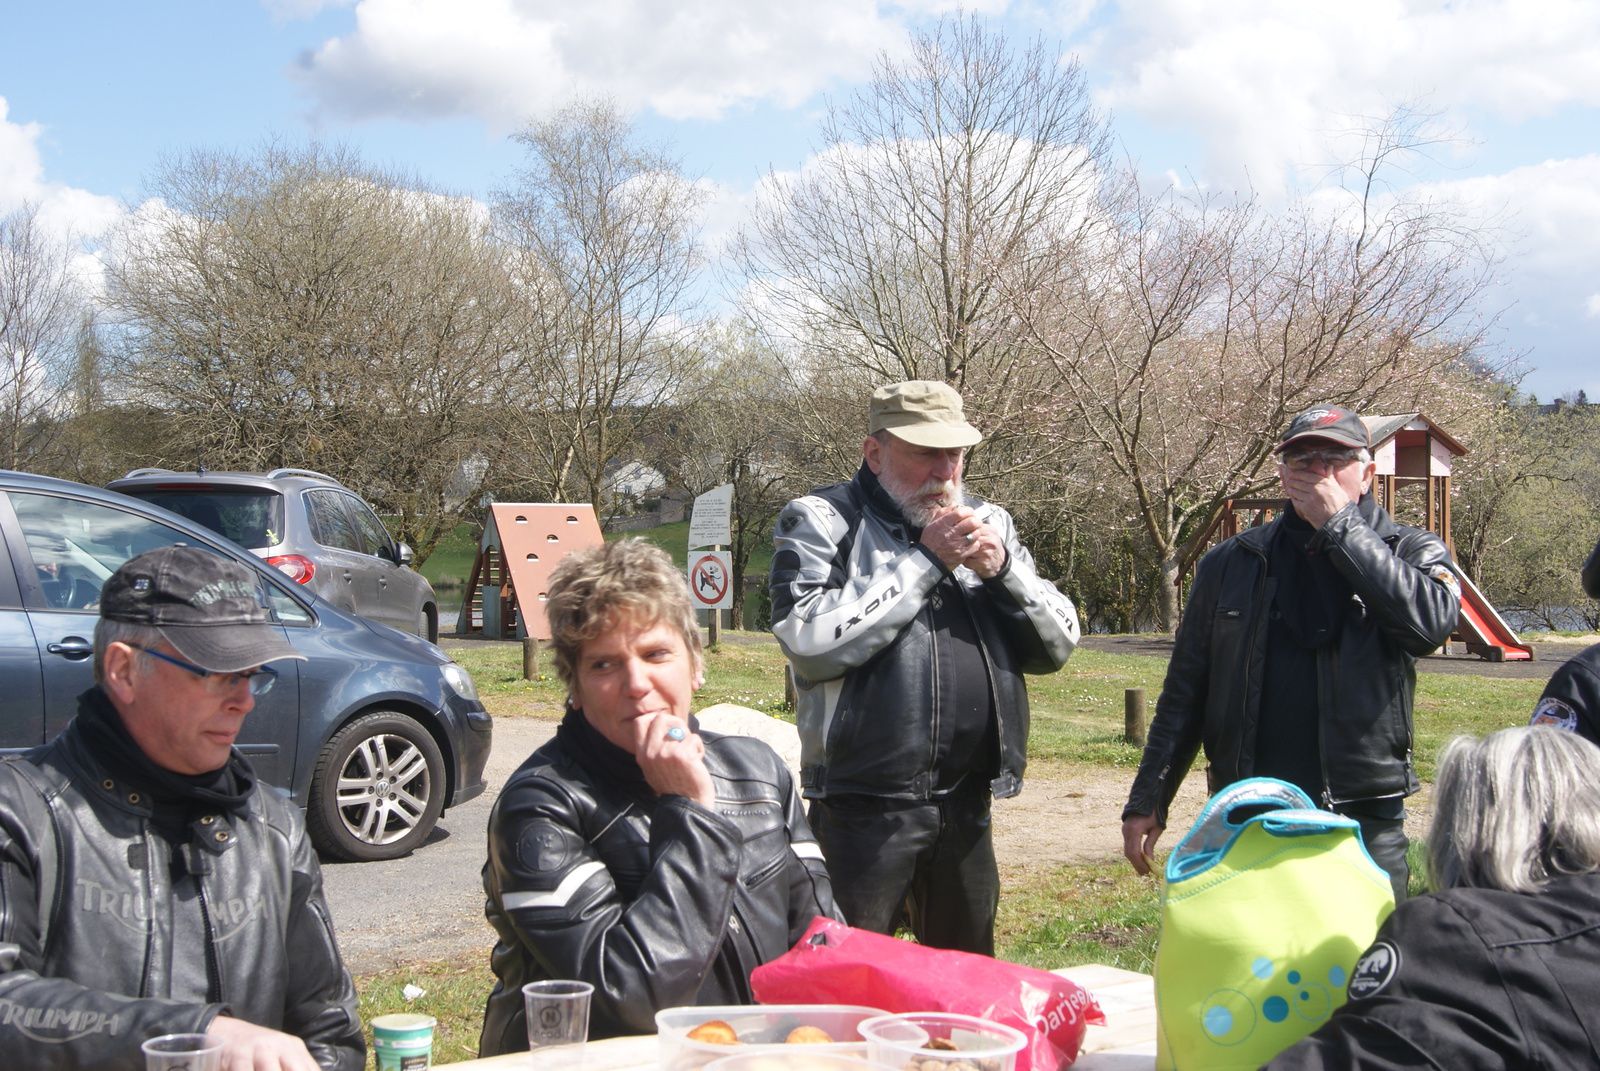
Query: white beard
913	502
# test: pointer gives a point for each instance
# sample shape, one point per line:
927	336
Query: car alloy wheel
379	788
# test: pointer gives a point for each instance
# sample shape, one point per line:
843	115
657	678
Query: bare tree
946	189
1186	347
736	430
299	308
600	232
41	304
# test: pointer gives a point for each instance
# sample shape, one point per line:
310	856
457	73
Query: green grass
454	995
1077	713
450	564
1449	705
1088	913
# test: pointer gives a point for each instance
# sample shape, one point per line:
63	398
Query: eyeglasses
1301	460
259	680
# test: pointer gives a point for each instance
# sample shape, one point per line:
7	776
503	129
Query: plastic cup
558	1021
183	1052
901	1041
403	1041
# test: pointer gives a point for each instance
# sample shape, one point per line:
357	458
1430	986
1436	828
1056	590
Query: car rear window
251	517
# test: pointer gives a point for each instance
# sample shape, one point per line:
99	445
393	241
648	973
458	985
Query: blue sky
1225	94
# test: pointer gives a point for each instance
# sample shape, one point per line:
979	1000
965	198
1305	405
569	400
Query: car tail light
296	567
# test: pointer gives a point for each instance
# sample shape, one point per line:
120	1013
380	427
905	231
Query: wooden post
530	658
1133	716
716	627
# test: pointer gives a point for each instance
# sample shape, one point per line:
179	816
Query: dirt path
1076	818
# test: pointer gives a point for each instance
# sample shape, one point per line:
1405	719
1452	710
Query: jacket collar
875	498
1258	539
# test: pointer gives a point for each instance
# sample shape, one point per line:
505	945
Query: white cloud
508	60
1592	306
1266	85
1550	212
21	174
64	209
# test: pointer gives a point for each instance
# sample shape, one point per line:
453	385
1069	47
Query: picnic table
1126	1043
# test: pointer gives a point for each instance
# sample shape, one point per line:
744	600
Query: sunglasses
1301	460
259	680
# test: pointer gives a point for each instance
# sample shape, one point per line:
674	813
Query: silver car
310	527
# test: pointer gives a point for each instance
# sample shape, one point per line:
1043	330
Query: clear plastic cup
183	1052
558	1021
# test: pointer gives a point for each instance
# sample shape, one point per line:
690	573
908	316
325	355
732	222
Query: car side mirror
403	553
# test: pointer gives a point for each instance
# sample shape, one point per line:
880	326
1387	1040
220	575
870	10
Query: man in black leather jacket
658	863
909	612
148	885
1296	654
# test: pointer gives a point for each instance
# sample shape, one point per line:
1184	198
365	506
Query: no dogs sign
711	580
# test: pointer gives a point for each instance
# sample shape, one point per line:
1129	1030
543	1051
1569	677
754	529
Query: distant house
633	482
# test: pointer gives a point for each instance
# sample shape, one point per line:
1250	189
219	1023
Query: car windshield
251	517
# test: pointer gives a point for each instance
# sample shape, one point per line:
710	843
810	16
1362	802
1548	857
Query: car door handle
72	647
348	579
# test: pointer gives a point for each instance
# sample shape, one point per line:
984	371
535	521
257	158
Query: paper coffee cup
403	1041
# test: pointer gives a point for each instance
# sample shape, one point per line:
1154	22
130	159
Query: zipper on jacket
933	736
213	972
1250	664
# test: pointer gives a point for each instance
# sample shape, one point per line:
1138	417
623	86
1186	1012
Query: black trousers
1386	842
928	864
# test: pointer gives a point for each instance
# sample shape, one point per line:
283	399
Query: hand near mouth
957	537
674	767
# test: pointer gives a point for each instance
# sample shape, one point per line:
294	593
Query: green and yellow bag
1268	903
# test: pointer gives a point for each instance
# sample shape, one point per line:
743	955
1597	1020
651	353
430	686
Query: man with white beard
909	611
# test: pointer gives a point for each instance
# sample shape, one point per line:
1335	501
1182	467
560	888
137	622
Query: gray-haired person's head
1515	809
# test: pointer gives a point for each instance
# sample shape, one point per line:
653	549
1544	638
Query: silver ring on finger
676	734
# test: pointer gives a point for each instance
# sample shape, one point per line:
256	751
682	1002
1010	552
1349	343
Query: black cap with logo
207	607
1331	422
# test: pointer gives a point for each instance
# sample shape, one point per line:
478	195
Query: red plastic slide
1484	631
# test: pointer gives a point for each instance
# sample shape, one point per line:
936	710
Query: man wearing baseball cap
909	611
148	884
1296	655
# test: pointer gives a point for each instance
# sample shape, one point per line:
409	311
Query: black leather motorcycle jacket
851	608
1405	603
655	900
109	935
1471	978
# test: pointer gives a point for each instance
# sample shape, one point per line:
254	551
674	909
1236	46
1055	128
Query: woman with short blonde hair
634	852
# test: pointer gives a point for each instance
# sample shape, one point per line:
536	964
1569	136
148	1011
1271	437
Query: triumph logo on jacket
58	1024
867	611
125	907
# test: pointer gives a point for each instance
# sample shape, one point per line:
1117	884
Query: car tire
378	789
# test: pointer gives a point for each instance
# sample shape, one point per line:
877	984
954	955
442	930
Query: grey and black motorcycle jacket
110	935
1405	602
851	590
655	900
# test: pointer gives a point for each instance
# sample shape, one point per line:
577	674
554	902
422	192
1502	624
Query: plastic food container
761	1028
960	1042
792	1058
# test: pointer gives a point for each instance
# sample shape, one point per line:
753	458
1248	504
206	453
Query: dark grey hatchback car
375	734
